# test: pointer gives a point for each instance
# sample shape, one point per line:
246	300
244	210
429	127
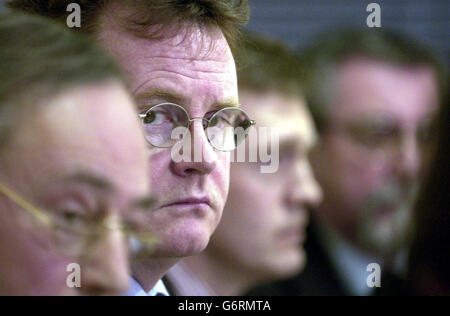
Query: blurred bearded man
374	102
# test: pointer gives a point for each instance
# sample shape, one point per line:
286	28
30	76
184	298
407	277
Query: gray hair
36	55
322	60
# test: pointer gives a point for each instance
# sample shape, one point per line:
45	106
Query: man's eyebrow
298	143
173	97
290	144
231	103
101	183
169	96
96	181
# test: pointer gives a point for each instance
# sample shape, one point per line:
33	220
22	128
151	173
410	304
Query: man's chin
386	235
181	237
284	266
183	243
293	264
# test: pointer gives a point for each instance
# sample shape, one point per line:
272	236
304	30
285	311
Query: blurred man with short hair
72	164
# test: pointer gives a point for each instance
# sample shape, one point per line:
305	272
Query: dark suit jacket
319	277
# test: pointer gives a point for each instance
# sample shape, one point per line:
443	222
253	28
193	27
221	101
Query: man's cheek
222	173
159	162
351	185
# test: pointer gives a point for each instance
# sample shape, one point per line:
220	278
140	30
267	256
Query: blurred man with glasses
177	52
73	164
374	96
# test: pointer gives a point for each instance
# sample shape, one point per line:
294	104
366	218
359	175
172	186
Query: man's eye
70	225
70	215
287	158
71	218
208	115
373	136
149	118
156	118
372	139
214	122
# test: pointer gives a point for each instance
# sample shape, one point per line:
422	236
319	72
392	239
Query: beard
385	224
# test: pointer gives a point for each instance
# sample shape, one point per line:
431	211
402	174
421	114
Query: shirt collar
349	263
136	289
185	283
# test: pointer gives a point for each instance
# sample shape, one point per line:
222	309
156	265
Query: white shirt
136	289
351	264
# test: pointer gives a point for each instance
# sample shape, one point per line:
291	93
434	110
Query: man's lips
191	201
296	234
294	231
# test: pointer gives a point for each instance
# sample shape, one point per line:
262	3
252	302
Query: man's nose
105	266
303	190
203	158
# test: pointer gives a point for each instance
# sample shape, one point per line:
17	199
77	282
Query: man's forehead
185	40
371	87
360	70
61	167
198	58
177	54
295	128
291	119
75	129
193	44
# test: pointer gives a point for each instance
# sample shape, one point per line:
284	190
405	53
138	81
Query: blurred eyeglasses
221	127
384	135
74	234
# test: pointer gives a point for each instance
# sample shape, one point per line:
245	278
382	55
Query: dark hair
36	54
265	64
332	48
430	255
228	15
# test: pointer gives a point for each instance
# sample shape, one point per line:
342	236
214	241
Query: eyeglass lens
225	129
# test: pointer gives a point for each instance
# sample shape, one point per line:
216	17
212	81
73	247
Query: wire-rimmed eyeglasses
225	129
72	236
